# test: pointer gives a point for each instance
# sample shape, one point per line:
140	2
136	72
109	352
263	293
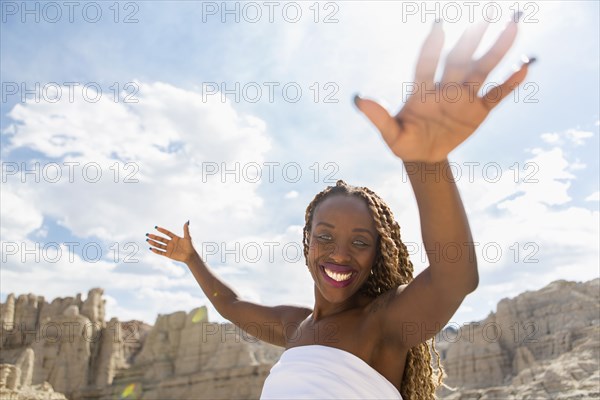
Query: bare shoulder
294	315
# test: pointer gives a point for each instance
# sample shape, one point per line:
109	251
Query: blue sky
528	177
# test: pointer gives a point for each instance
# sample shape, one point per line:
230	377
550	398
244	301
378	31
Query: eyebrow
353	230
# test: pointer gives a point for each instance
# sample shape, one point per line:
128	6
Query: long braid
391	268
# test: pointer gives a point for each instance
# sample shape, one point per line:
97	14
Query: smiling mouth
337	278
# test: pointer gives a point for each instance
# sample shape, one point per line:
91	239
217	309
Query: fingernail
517	16
146	234
147	240
155	226
528	60
188	222
149	248
356	99
437	24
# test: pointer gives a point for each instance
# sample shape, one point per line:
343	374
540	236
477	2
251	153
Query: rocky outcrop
542	344
67	346
182	358
15	381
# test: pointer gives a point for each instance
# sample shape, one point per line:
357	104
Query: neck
324	308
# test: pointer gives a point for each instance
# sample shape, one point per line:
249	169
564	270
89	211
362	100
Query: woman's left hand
440	116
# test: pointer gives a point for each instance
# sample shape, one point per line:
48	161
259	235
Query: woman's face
342	246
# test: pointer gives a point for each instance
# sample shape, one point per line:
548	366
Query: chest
357	334
348	332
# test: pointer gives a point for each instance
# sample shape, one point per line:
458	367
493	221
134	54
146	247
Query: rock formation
543	344
68	347
15	381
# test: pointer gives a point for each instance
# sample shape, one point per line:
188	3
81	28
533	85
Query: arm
444	223
266	323
422	134
419	310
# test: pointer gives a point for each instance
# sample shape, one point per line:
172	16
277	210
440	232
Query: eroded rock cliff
67	347
540	344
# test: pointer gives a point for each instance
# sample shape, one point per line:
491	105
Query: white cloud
19	217
464	309
169	186
575	137
593	197
291	194
166	301
578	137
272	269
547	181
551	138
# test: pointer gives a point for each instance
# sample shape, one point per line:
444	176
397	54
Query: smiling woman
352	241
368	333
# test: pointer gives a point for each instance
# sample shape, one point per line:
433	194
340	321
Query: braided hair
391	269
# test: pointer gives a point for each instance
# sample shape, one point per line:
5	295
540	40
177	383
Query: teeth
336	276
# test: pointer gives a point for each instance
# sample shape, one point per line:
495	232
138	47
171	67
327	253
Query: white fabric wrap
323	372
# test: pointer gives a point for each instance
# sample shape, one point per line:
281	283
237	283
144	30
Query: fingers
157	244
156	238
458	61
166	232
186	230
495	95
430	55
380	118
482	67
162	253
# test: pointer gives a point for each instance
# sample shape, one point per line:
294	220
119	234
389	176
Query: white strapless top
323	372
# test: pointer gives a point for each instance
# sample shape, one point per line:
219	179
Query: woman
367	334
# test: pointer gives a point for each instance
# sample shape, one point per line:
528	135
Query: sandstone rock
63	352
25	319
188	357
546	344
93	306
7	313
15	381
541	344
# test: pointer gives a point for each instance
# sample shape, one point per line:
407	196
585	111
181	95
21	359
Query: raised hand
174	247
440	116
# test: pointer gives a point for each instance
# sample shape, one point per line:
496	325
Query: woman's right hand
174	247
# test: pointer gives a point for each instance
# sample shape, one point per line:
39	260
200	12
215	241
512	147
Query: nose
340	254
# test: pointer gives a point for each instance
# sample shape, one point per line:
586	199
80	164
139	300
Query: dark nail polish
517	16
147	240
147	234
188	223
528	60
155	226
149	248
356	99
